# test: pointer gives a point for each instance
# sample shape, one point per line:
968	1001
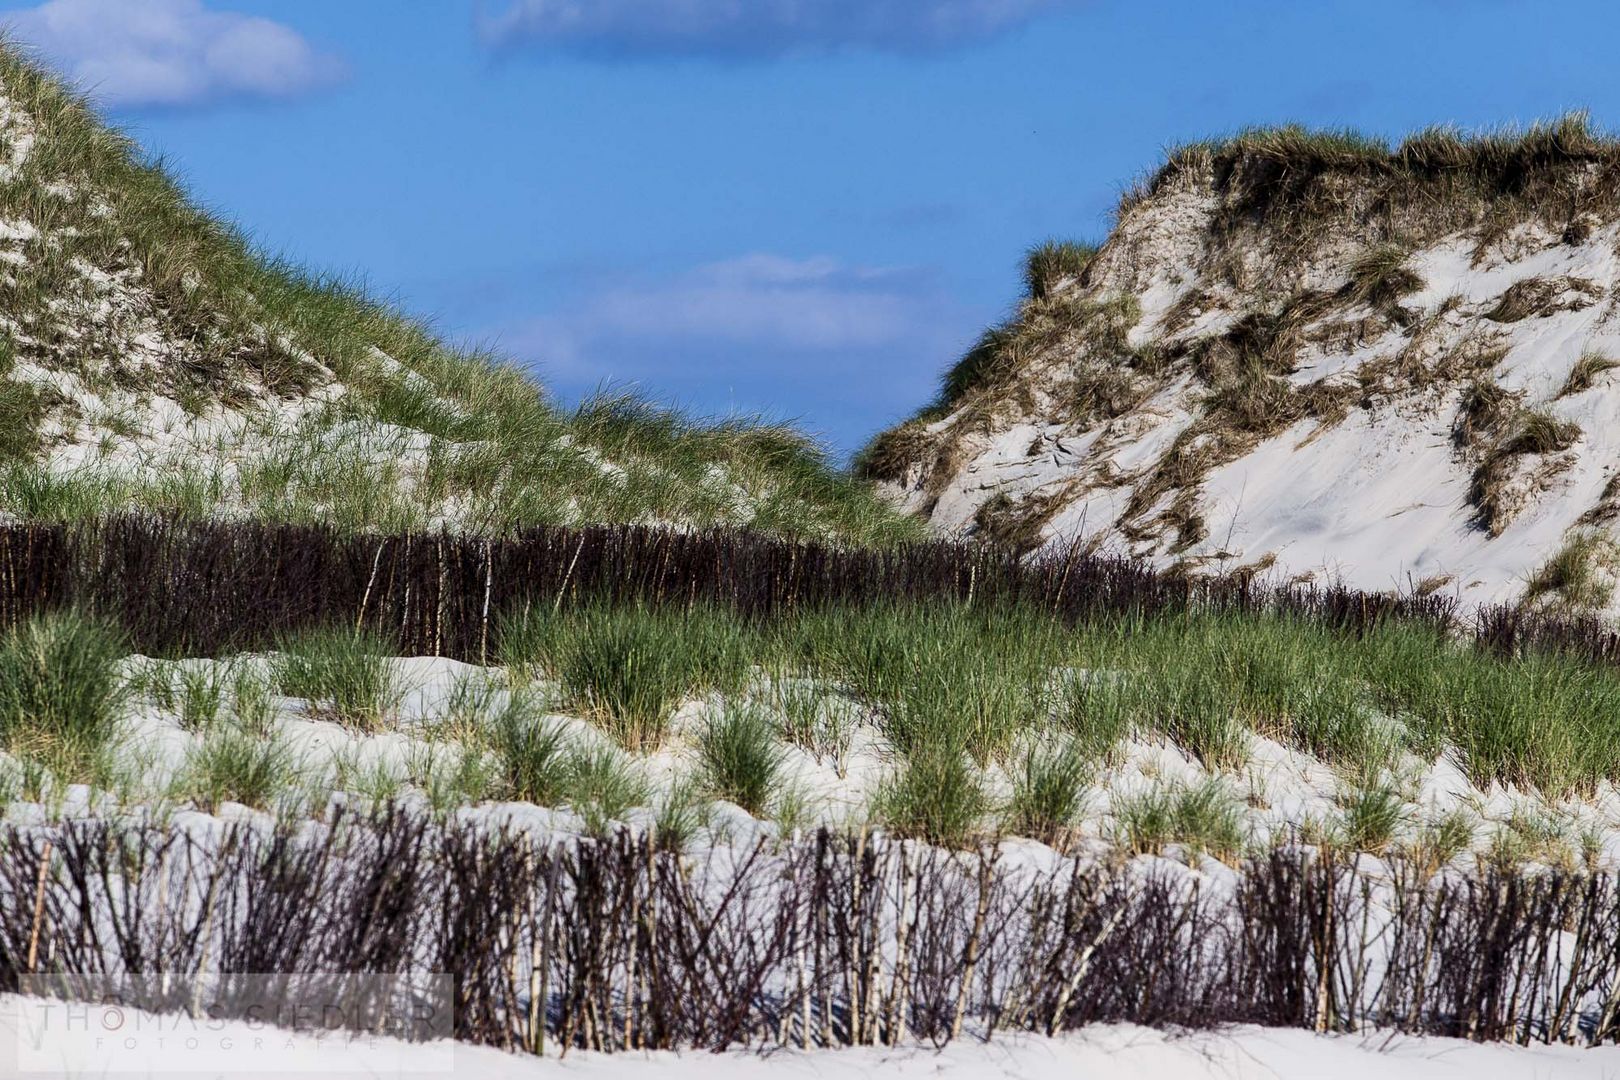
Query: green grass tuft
630	668
602	787
680	815
742	762
533	758
936	796
61	692
232	765
1204	819
1372	819
346	677
1049	793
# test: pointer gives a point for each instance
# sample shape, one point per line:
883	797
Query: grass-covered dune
1296	189
152	358
1252	367
1563	173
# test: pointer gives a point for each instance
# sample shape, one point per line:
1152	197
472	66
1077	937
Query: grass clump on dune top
1372	819
1054	262
533	757
935	794
1287	171
971	680
1202	819
602	786
1049	793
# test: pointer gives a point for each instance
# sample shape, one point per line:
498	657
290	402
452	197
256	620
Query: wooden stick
39	906
869	980
562	589
208	933
489	588
365	600
538	932
1324	950
1081	967
801	930
986	864
897	992
853	975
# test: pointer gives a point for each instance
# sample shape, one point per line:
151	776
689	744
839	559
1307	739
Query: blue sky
799	207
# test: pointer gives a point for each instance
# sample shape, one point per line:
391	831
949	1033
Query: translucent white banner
233	1025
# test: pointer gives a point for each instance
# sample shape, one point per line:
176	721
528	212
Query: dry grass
1530	432
1249	399
1540	432
1485	407
1112	378
1270	340
1102	390
1380	277
892	453
1180	470
1306	185
1099	327
1539	296
1608	505
1181	314
990	357
1016	525
1254	401
1578	577
1584	375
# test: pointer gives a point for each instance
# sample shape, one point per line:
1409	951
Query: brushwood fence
829	940
217	588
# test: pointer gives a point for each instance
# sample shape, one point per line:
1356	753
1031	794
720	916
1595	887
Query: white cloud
741	308
754	27
848	348
171	52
